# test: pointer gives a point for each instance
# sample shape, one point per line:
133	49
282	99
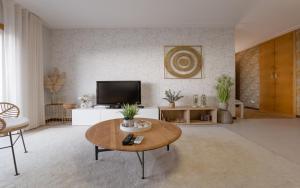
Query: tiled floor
256	114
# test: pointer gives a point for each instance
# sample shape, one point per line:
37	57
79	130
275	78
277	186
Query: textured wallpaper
298	70
89	55
248	61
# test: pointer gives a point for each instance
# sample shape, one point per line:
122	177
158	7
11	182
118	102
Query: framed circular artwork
183	62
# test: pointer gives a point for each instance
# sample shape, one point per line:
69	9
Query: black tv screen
118	92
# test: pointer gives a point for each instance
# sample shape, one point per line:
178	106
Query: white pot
223	105
84	105
128	123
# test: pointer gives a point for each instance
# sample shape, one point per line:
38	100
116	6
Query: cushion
13	124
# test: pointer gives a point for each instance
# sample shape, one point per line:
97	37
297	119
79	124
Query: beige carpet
208	157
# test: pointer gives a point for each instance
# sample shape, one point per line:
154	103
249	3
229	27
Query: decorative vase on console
195	101
84	101
128	112
203	101
172	97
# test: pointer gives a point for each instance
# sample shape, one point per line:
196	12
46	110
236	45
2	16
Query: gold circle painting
183	61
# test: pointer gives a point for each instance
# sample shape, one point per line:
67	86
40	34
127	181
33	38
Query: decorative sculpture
54	82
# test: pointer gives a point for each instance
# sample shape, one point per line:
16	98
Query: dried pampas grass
55	81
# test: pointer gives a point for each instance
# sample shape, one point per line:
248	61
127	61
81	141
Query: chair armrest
2	124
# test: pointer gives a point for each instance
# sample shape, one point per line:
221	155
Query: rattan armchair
2	124
11	124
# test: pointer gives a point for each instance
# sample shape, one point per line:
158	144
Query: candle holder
195	101
203	100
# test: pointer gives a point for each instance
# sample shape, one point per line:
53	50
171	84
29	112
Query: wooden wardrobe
277	94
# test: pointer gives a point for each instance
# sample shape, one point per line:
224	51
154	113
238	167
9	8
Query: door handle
274	76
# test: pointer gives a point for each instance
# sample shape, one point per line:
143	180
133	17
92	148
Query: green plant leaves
224	84
129	111
172	96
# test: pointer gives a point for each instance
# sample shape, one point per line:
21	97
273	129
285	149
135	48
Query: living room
148	94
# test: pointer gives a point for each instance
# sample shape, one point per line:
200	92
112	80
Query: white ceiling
254	20
265	20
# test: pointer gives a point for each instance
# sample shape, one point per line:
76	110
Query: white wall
88	55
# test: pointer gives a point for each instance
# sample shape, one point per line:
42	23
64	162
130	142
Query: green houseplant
224	85
172	97
128	112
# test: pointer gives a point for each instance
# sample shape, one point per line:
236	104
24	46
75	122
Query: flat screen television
118	92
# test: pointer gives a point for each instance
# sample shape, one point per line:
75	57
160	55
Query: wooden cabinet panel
267	81
284	66
277	75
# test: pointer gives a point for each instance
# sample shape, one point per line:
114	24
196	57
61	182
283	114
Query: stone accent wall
248	62
298	70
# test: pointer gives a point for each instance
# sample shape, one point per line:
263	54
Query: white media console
91	116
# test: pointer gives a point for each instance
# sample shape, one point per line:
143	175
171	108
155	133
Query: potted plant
128	112
172	97
224	84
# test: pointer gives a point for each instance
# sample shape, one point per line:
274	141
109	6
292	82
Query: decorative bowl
139	126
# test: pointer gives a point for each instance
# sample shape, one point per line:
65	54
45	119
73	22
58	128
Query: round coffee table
108	136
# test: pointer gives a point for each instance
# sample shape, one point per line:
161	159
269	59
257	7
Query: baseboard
297	116
253	108
57	119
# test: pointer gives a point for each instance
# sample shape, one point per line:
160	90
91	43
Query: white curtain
22	65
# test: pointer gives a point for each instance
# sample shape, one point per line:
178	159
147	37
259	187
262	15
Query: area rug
204	157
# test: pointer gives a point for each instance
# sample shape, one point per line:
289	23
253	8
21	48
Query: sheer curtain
22	65
1	63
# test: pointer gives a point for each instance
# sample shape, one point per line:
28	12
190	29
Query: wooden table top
107	134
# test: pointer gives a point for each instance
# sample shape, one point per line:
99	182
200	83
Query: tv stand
114	106
91	116
119	106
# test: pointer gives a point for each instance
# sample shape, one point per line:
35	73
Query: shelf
186	108
189	115
177	123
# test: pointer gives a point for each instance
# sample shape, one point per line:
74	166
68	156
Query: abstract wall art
183	62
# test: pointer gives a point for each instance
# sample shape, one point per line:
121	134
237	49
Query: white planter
128	123
84	105
223	105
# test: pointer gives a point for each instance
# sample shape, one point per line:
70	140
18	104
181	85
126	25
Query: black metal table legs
142	161
12	143
141	158
97	150
13	153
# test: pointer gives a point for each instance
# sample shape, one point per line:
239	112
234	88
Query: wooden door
284	77
267	81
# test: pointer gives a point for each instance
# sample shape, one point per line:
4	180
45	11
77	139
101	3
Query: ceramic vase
83	105
223	105
128	122
172	104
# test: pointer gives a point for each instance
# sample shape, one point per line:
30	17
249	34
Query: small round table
108	136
